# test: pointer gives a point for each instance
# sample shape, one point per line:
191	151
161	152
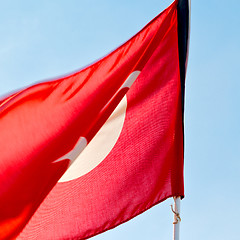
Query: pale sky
44	39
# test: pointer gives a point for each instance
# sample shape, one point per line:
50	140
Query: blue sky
45	39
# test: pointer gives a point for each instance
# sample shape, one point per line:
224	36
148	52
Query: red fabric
42	123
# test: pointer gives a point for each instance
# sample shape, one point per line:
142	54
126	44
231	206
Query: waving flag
117	124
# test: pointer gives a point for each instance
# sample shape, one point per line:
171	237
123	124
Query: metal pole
176	218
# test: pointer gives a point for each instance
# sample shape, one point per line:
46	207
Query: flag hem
132	216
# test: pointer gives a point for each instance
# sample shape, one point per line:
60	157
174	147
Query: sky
45	39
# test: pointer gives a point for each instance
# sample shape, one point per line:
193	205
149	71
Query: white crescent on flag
84	157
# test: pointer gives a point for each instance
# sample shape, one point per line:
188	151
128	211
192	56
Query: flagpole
176	218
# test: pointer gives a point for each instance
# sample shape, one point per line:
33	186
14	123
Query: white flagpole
176	218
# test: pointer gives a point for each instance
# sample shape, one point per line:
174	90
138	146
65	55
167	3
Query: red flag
117	176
